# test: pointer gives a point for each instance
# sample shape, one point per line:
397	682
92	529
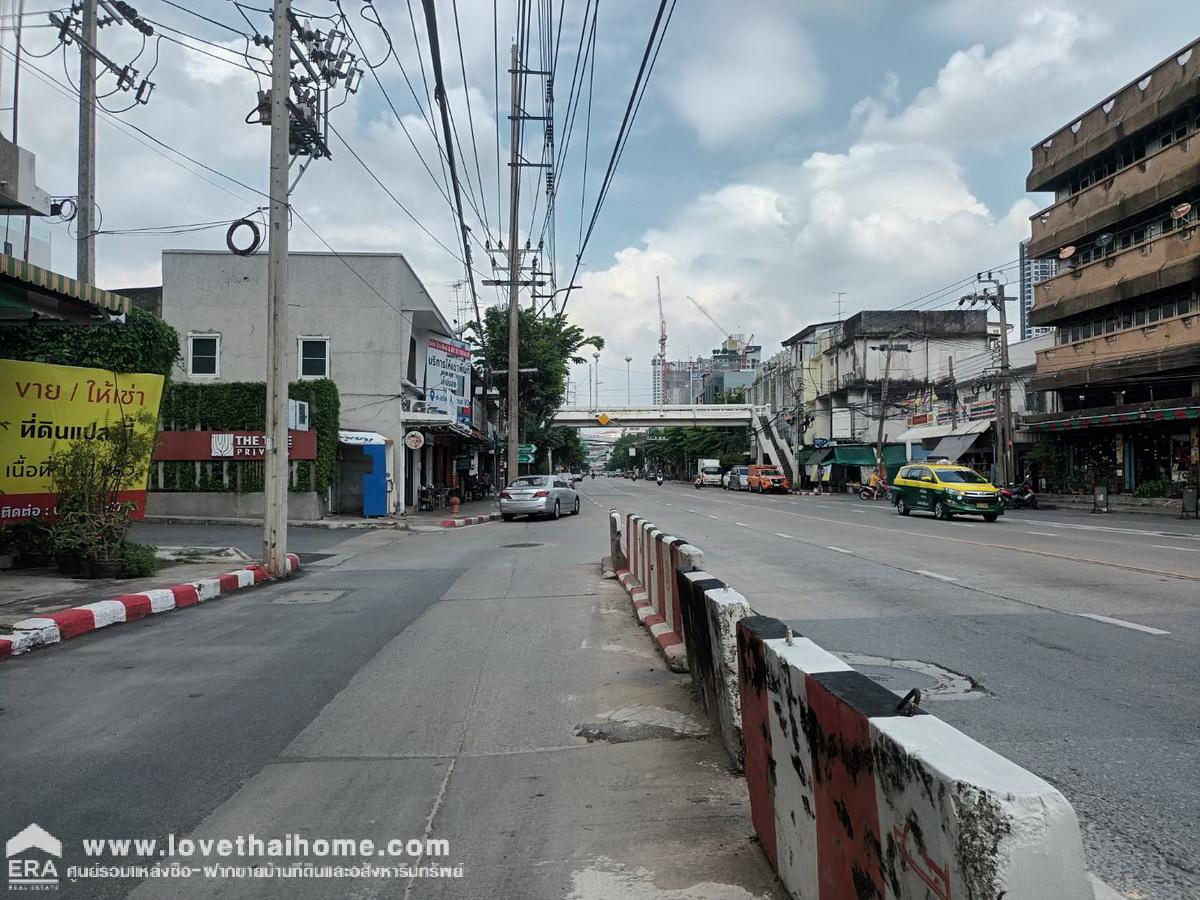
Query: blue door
375	482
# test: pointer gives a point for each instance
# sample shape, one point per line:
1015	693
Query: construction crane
662	345
721	328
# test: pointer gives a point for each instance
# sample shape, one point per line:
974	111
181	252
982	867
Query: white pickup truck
708	473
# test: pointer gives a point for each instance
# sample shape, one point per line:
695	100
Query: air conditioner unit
298	415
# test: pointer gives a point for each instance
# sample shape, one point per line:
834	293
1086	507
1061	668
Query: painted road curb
40	631
463	521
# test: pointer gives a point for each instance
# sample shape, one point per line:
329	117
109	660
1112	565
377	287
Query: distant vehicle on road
708	473
946	491
766	480
735	479
539	495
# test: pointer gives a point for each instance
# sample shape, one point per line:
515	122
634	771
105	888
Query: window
314	357
204	354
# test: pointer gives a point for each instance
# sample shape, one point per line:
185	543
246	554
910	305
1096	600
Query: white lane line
855	509
1114	530
711	516
1043	533
689	510
838	550
741	524
1122	623
966	524
782	535
934	575
1184	549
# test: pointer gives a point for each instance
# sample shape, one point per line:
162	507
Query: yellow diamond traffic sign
603	418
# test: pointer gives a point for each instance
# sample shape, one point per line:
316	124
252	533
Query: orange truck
767	479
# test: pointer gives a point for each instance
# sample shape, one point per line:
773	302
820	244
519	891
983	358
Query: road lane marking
929	574
1184	549
741	524
926	536
1122	623
1043	533
839	550
965	524
711	516
1116	530
689	510
782	535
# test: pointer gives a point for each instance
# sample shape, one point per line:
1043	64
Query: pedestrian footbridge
689	416
761	419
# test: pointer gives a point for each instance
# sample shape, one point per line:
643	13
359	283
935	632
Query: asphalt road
1078	634
480	685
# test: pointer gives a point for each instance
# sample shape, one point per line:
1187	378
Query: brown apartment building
1124	370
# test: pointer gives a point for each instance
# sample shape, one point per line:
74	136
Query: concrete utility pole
628	360
85	220
891	347
1004	424
514	256
596	402
276	465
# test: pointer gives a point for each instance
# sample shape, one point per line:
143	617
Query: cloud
746	78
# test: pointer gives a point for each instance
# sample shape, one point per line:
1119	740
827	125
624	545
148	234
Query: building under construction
704	379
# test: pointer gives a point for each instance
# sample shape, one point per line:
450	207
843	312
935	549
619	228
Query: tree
548	344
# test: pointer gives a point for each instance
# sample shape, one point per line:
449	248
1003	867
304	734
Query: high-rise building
1032	271
1124	370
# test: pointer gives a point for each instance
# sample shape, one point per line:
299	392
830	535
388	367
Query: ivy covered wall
145	343
242	406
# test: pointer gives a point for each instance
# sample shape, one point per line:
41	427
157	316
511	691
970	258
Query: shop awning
811	457
359	438
854	456
937	432
31	292
952	446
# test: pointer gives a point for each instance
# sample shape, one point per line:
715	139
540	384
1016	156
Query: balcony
1127	193
1140	103
1163	262
1164	346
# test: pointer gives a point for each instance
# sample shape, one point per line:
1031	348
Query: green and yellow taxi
946	491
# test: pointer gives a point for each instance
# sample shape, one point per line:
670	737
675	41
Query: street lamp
628	360
596	357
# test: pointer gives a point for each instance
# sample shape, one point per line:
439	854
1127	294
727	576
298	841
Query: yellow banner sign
45	407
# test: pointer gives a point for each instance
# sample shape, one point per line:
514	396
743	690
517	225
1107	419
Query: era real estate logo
30	857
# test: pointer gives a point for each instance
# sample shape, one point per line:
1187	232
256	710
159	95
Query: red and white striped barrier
855	794
65	624
654	557
463	521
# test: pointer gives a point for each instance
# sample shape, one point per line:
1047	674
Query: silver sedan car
539	495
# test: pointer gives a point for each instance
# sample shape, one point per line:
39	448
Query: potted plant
88	477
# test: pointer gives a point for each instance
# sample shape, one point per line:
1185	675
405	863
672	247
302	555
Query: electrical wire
211	21
639	87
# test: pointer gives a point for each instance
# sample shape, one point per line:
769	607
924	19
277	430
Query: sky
784	151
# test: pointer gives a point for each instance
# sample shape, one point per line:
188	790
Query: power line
192	12
470	116
635	95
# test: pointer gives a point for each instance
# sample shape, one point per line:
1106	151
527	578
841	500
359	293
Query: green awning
810	457
28	284
854	456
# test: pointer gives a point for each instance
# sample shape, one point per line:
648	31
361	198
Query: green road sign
527	448
525	458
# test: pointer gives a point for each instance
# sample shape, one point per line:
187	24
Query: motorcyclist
659	479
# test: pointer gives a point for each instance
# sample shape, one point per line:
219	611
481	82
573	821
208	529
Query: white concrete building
364	320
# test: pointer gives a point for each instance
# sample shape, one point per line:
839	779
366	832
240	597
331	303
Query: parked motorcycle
1019	496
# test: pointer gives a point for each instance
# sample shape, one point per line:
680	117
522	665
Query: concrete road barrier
855	794
710	613
653	557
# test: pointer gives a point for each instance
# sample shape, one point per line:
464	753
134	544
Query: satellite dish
1067	252
1180	211
1103	240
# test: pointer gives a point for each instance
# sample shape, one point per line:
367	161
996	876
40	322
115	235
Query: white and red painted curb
654	556
463	521
29	634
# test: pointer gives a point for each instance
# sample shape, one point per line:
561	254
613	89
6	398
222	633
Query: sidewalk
523	716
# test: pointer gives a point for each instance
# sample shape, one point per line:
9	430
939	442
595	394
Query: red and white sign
202	446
